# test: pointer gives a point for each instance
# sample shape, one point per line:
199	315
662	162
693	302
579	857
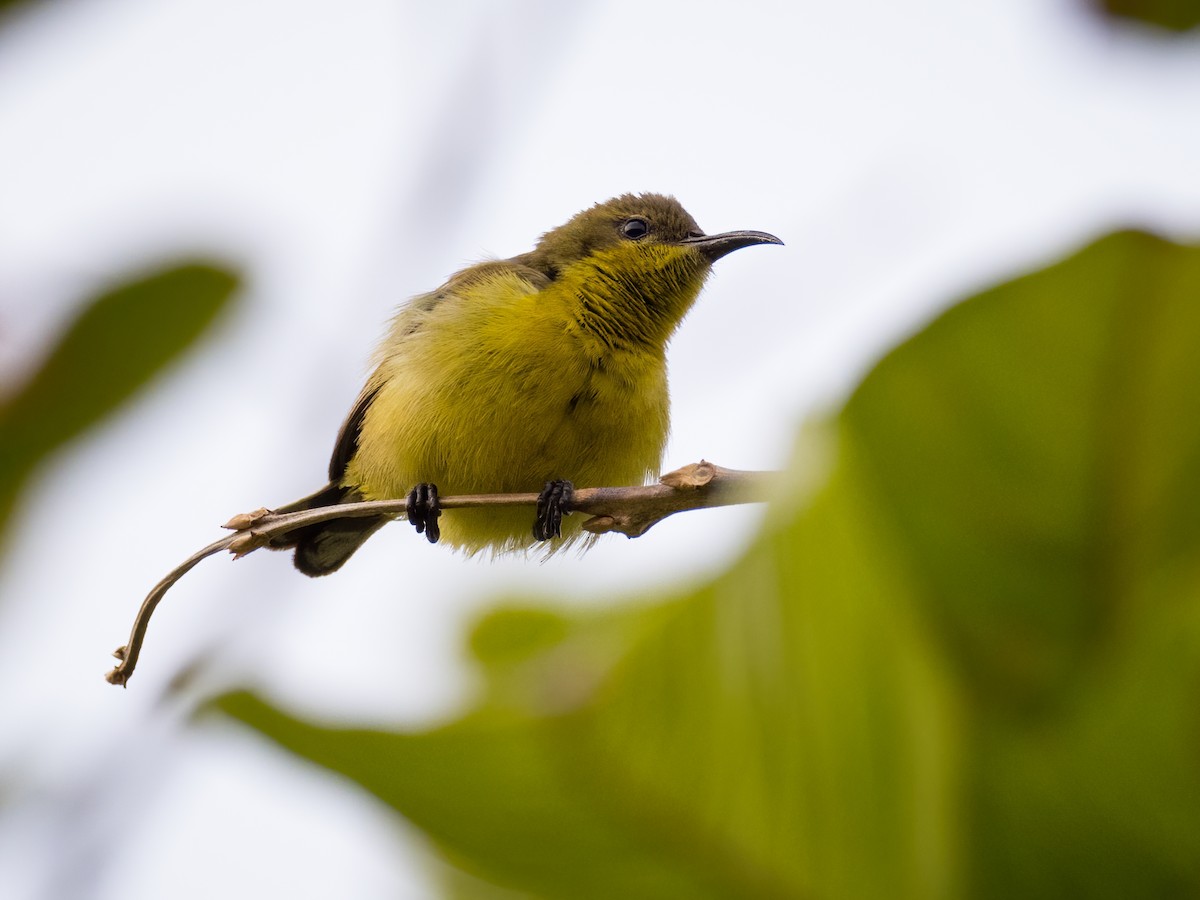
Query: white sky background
351	154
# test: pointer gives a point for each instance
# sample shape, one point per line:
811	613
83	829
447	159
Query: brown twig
631	511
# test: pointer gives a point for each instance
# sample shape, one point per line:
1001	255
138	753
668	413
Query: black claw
554	502
423	510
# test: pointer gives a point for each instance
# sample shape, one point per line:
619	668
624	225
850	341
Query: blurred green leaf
1173	15
1035	454
1037	451
968	665
121	340
9	9
502	797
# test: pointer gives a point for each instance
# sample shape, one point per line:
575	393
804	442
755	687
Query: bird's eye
634	228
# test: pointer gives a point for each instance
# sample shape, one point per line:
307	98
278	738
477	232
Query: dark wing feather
347	439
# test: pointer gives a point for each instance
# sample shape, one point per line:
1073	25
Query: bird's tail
323	548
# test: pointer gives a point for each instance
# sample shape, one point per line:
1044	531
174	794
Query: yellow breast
495	388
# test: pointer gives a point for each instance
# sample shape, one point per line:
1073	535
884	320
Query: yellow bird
535	373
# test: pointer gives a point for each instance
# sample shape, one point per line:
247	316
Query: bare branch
631	511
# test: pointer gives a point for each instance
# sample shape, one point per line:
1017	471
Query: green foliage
968	664
120	341
1174	15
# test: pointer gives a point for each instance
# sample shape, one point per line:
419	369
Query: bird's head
636	262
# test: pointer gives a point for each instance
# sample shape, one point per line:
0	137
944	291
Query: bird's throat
626	300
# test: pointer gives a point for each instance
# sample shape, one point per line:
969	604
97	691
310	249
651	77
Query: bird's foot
423	510
554	502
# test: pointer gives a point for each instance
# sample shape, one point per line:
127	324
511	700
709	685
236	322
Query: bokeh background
342	157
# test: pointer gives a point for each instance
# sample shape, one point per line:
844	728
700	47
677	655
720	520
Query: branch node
242	521
693	475
246	542
599	524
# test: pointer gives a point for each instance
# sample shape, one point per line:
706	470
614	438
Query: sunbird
530	374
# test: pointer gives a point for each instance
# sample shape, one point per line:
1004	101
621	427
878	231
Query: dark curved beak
714	246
